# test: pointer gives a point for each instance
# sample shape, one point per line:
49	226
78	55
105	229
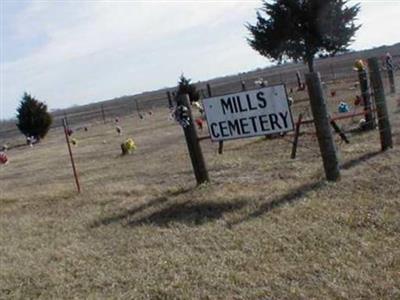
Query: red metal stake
71	156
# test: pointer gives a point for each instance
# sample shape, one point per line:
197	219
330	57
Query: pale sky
76	52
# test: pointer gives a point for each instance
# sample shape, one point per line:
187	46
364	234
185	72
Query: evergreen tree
185	87
33	118
301	29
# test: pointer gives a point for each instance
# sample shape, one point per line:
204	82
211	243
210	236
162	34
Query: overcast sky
75	52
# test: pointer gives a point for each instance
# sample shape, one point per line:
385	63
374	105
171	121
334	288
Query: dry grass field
266	227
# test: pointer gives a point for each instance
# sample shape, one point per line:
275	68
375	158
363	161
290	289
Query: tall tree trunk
310	62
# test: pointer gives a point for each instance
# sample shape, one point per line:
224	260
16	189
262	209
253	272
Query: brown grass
265	227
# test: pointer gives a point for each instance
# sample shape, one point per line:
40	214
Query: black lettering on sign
241	108
273	120
234	127
244	125
249	103
253	122
226	105
262	102
223	129
213	130
264	123
235	104
284	117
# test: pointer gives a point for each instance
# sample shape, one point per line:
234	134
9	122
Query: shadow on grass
133	211
191	214
198	213
299	192
354	162
129	212
286	198
22	145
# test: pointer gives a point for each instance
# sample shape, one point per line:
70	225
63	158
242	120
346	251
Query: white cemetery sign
246	114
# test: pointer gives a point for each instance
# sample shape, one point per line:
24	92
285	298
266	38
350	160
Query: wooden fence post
170	104
391	80
103	114
323	127
193	143
365	94
137	108
380	103
78	186
243	83
299	83
220	143
244	88
209	90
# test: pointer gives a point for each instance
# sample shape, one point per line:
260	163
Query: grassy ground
265	227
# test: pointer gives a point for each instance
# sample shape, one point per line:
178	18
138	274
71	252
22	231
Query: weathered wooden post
78	186
138	109
220	143
323	127
299	83
243	83
365	94
380	103
103	114
391	78
193	143
244	88
170	104
391	81
209	90
389	67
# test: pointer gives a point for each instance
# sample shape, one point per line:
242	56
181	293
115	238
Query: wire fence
336	74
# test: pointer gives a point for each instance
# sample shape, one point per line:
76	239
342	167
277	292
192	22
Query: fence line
124	106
